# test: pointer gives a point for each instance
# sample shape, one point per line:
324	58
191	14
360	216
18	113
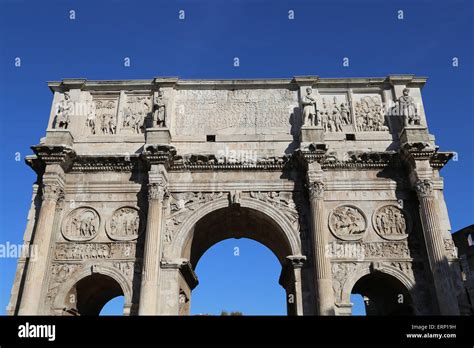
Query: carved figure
309	108
63	112
407	109
90	122
159	110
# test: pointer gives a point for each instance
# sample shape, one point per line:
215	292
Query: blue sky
203	45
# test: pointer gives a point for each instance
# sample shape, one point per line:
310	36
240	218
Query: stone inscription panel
245	111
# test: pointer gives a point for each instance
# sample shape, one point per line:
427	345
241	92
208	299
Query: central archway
238	276
236	222
252	220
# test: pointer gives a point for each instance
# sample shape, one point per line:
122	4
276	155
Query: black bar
241	329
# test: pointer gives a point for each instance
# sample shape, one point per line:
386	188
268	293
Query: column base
312	134
157	136
414	134
58	137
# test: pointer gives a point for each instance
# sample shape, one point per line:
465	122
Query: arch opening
90	294
113	307
238	276
383	294
239	222
236	222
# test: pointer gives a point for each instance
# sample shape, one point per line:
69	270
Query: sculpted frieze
239	111
370	114
283	201
188	200
334	114
340	273
386	250
127	268
87	251
104	116
60	273
135	113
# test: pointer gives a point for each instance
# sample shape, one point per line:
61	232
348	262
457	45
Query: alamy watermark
227	155
345	251
9	250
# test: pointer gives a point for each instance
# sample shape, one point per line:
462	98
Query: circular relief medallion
81	224
347	222
391	222
124	224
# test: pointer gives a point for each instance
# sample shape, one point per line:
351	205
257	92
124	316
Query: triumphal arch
339	177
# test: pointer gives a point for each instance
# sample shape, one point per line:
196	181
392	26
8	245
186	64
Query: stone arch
218	220
106	272
185	232
393	272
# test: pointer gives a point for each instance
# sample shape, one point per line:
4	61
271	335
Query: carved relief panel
87	251
241	111
135	113
81	224
181	205
102	117
333	113
391	222
369	113
347	222
124	224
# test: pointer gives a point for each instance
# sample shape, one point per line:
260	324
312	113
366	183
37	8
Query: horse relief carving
82	224
347	223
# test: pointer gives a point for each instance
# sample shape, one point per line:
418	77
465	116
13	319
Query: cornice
422	151
92	164
357	160
158	154
176	82
211	162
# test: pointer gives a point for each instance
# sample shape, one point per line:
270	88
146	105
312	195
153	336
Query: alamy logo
37	331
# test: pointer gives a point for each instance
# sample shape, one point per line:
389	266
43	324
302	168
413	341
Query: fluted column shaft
436	250
37	265
322	264
149	285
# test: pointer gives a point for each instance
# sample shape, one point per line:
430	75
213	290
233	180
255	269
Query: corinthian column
322	265
297	262
37	265
436	251
150	277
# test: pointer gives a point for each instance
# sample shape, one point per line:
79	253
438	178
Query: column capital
157	191
316	189
296	261
52	192
424	188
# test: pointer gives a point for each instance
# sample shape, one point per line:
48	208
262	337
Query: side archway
386	290
90	288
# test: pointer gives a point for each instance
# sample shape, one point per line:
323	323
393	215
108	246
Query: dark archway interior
383	295
237	222
93	292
